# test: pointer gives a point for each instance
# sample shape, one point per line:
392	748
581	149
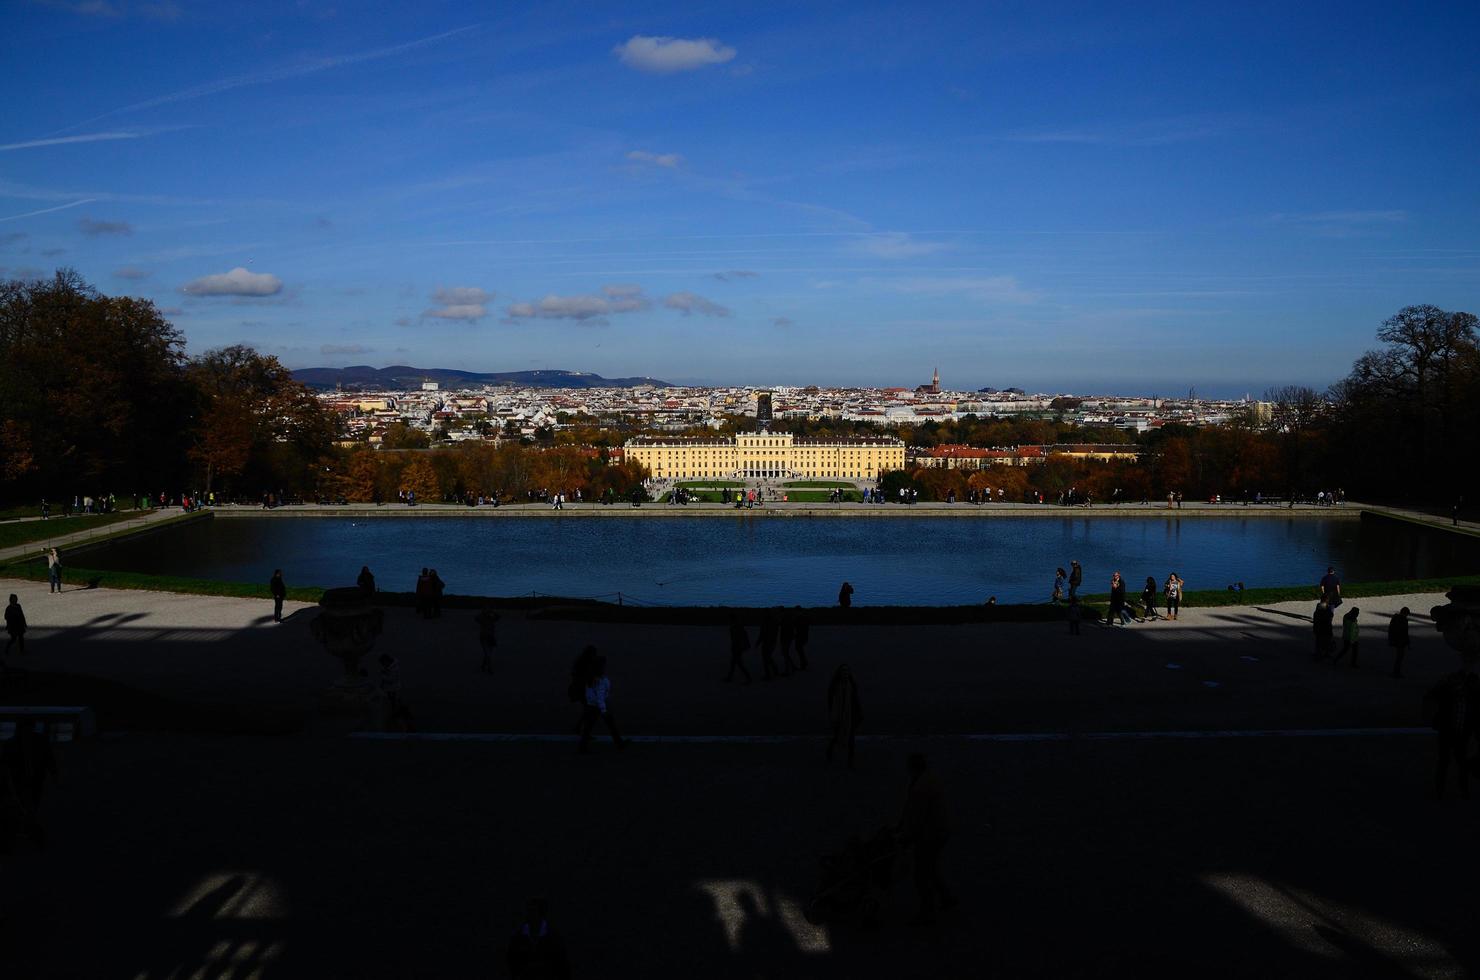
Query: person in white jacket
598	705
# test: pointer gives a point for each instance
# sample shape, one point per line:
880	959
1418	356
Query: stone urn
1459	621
347	625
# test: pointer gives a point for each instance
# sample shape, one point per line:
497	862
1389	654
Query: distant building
763	410
766	455
933	388
429	386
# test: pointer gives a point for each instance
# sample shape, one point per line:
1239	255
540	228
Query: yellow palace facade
766	455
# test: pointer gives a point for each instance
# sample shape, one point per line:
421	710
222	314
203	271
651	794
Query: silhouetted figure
1117	615
1350	637
598	705
435	595
366	581
845	595
536	951
279	591
15	626
1074	615
843	710
580	673
1331	588
424	594
1454	711
770	630
788	637
1398	640
803	634
1076	578
487	636
1060	580
739	643
1322	621
54	570
1148	598
926	826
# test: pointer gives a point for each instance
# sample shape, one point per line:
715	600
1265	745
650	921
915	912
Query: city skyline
1114	201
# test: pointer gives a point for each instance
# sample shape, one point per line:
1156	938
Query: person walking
1453	706
15	626
803	634
1076	578
1322	622
580	675
845	595
1173	590
54	570
1148	599
598	695
926	827
366	582
843	710
279	591
1350	636
739	643
487	637
1398	639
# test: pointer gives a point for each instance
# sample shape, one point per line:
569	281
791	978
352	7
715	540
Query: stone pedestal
1459	621
347	626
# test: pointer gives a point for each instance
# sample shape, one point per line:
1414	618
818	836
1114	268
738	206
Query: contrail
55	141
276	75
59	207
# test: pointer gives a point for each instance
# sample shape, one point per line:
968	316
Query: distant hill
402	377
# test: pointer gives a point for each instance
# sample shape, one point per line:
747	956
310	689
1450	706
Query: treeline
472	470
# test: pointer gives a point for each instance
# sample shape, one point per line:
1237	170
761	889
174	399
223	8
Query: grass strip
26	532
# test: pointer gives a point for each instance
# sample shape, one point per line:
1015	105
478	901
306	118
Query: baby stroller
853	882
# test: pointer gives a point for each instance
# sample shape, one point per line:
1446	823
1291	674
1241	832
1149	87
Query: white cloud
60	140
690	303
237	282
132	272
583	307
666	55
468	303
328	349
59	207
670	160
95	228
896	245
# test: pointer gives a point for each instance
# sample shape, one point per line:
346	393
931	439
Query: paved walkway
65	539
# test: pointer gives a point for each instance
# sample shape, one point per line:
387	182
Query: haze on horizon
1144	199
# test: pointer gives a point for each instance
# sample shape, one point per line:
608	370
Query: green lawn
819	496
716	484
821	484
24	533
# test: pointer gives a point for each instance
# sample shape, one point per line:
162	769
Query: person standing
926	826
770	630
845	595
1350	637
1331	588
423	594
1118	614
1322	621
1076	578
279	592
739	643
803	633
1148	598
487	637
1398	640
366	582
435	595
598	697
1060	577
54	570
15	626
1454	710
843	710
1173	591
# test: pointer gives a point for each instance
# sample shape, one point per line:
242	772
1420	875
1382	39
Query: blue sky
1138	198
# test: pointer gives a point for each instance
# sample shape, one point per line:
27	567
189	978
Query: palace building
766	455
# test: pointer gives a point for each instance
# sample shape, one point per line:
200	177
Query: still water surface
750	561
